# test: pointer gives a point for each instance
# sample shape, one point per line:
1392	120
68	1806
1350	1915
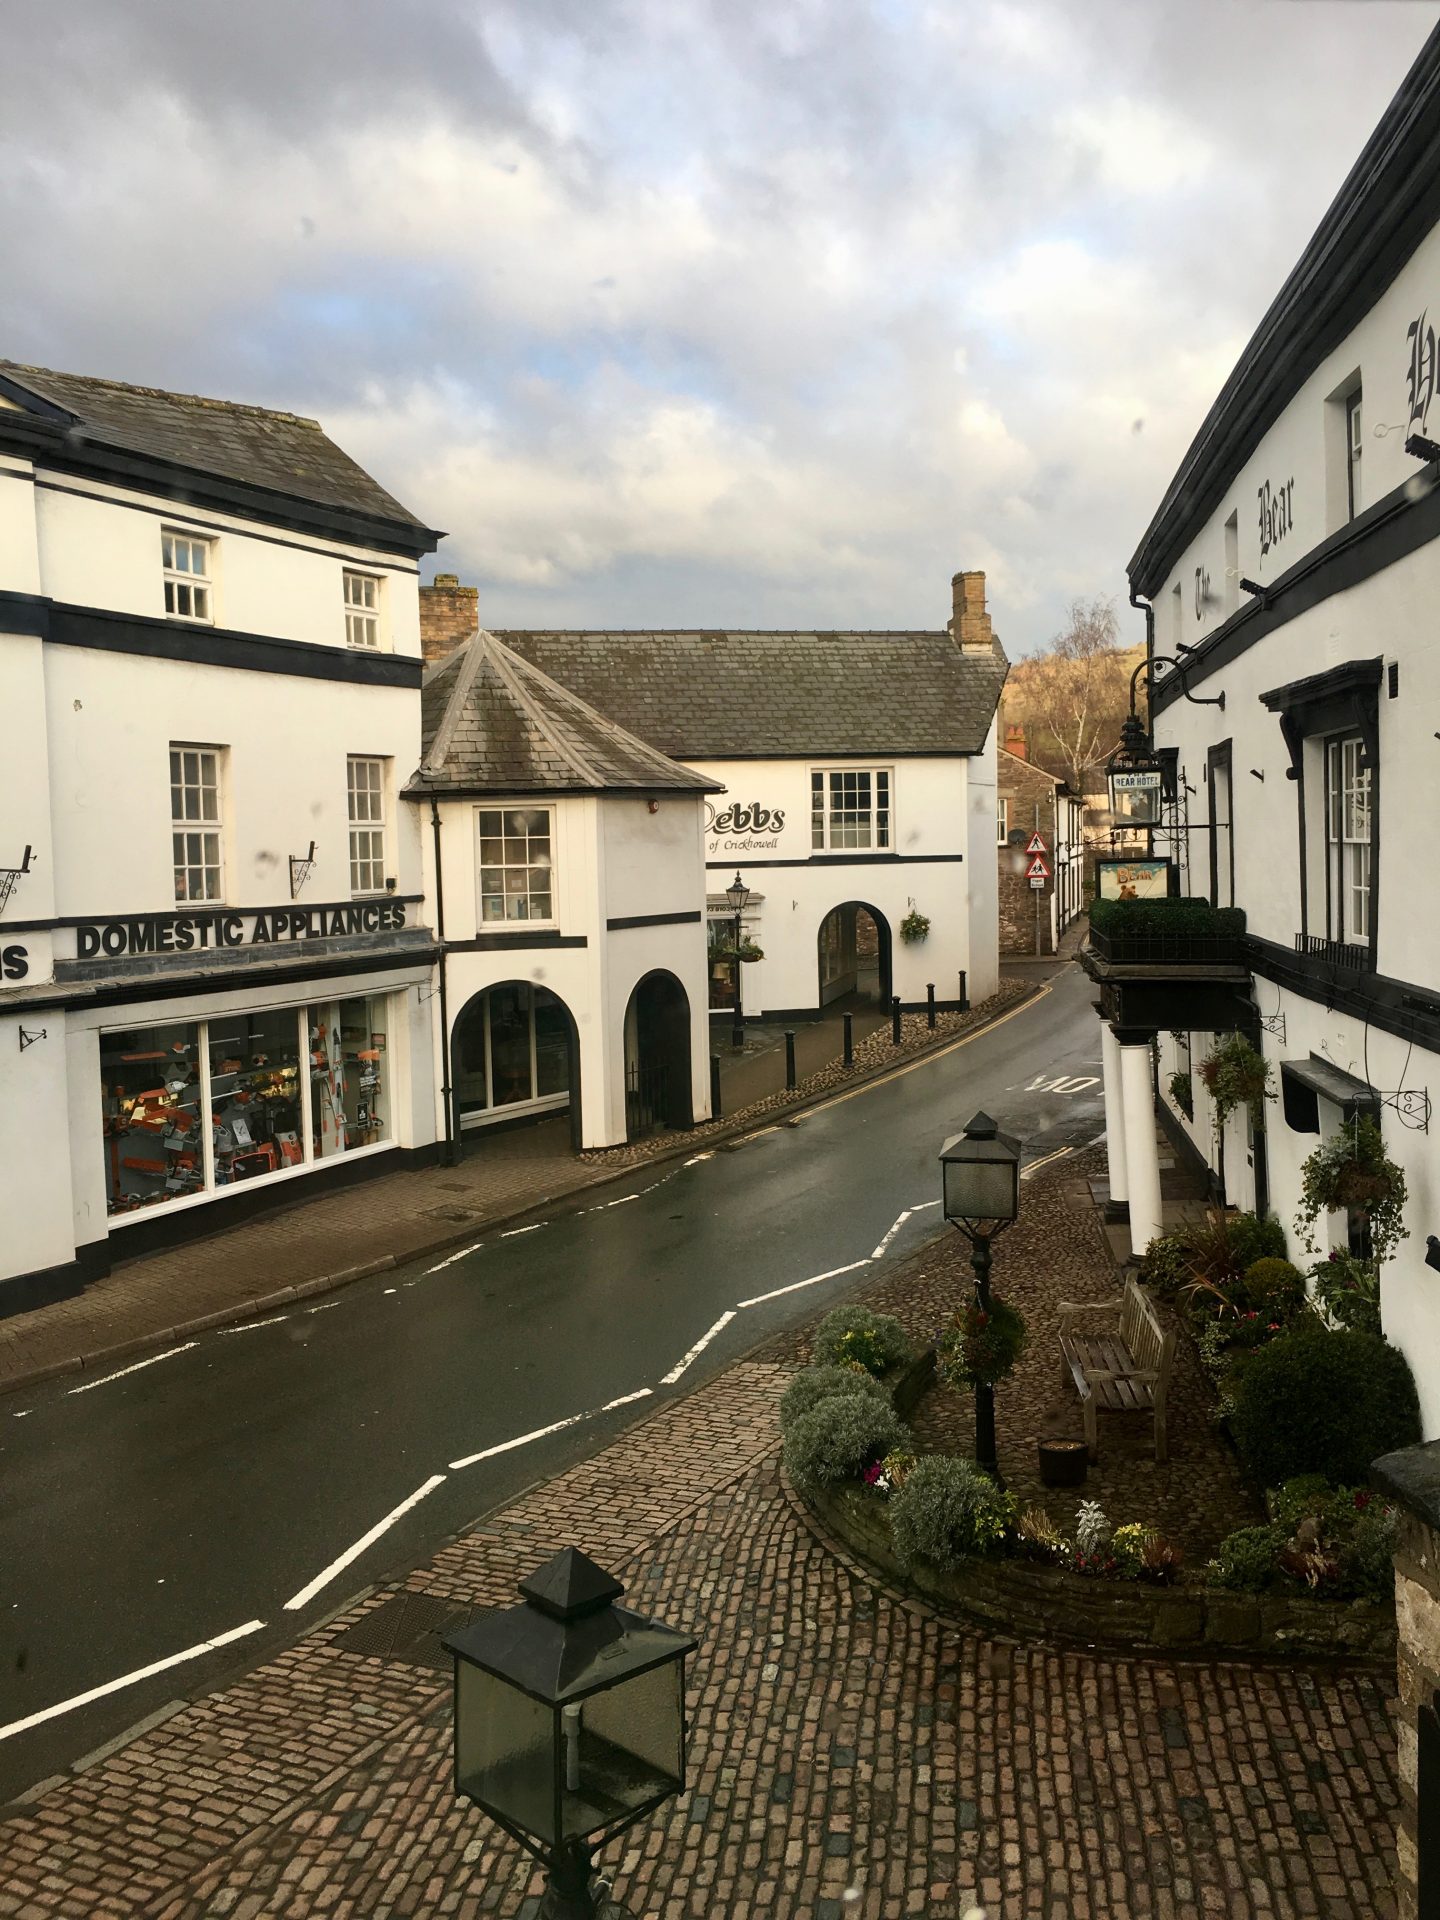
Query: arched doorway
514	1054
854	955
657	1056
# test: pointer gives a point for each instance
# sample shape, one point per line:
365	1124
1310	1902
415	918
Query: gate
647	1099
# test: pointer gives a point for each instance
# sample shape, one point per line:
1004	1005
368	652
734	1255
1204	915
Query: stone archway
853	952
658	1090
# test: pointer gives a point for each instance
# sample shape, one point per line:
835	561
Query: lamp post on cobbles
737	893
569	1722
980	1175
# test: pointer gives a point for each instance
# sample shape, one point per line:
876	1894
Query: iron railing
1347	956
1172	948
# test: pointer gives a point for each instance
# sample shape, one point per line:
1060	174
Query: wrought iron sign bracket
28	1039
9	875
1411	1107
301	866
1274	1023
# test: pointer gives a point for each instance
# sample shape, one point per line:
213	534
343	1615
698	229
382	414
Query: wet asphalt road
161	1509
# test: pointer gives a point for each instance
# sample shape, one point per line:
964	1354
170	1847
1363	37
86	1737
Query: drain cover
461	1214
407	1628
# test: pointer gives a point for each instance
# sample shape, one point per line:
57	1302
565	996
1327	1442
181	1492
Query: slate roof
493	723
738	695
258	446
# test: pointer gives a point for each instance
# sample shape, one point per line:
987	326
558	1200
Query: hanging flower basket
746	951
981	1349
1236	1075
1353	1172
914	927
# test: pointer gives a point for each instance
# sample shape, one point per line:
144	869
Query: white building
1294	567
565	859
211	916
858	772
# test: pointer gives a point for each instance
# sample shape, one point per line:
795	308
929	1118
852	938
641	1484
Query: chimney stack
1015	739
969	623
449	615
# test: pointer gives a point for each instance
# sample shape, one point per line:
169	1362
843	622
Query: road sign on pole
1036	843
1038	870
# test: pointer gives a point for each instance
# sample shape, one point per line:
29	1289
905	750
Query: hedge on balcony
1191	919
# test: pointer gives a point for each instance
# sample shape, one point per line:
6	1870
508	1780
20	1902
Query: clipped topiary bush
947	1511
876	1340
1320	1402
839	1438
808	1389
1272	1288
1247	1561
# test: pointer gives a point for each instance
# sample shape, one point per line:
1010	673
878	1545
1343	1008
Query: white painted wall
35	1145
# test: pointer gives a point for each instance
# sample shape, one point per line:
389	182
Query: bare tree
1072	696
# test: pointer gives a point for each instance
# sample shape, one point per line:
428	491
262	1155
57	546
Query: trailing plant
1236	1076
808	1389
1313	1401
838	1439
1347	1288
948	1511
1182	1092
980	1349
877	1341
746	951
914	927
1353	1171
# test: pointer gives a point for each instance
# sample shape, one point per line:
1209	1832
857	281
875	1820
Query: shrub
838	1439
1183	1094
980	1349
1038	1535
1348	1289
876	1340
1246	1562
1184	916
808	1389
1271	1288
1092	1529
1353	1170
1367	1558
947	1511
1303	1498
1320	1402
1256	1236
1165	1264
1160	1559
1127	1548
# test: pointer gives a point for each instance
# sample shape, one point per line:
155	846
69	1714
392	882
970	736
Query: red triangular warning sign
1036	843
1037	870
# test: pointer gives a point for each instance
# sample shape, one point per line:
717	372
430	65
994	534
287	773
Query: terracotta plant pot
1063	1462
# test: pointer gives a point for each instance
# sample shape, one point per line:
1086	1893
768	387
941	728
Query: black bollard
895	1020
930	1006
789	1062
964	997
714	1086
849	1059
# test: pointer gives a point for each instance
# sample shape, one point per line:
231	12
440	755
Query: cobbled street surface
845	1740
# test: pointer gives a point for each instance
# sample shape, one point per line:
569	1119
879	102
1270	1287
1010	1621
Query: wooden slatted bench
1124	1368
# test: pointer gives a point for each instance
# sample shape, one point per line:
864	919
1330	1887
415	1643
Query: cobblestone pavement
846	1741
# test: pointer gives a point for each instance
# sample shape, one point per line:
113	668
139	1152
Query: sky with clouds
697	312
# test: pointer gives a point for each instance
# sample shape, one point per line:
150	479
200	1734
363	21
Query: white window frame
1002	819
195	773
366	810
1349	797
186	564
363	609
1354	447
509	923
824	824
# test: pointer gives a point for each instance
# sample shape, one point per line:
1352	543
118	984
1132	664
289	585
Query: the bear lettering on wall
14	963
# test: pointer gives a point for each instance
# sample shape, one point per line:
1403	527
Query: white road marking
106	1378
669	1379
696	1158
339	1565
22	1413
521	1440
640	1393
795	1285
515	1232
463	1254
129	1679
921	1205
251	1325
330	1305
879	1252
618	1203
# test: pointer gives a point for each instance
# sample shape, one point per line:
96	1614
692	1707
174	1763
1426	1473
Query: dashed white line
795	1285
669	1379
250	1326
515	1232
129	1679
520	1440
463	1254
879	1252
339	1565
696	1158
154	1360
330	1305
640	1393
617	1203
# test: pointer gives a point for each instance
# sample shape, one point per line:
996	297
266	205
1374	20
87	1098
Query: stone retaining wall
1035	1601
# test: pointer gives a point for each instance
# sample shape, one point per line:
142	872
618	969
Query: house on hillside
1040	851
214	954
858	777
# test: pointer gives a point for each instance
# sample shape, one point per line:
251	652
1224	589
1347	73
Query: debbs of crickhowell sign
193	932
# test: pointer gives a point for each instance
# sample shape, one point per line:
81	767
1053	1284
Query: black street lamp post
569	1721
737	893
980	1170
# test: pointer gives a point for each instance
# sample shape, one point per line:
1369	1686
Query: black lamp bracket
301	867
1147	667
9	875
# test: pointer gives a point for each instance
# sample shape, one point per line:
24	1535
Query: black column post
930	1006
849	1059
964	996
986	1455
714	1086
789	1061
737	1029
895	1020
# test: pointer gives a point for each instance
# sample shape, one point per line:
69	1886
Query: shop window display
511	1050
255	1094
151	1108
349	1089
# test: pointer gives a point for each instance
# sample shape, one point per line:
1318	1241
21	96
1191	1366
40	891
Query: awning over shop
1305	1083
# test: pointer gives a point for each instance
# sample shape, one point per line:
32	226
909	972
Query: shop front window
255	1099
721	931
152	1102
349	1081
511	1050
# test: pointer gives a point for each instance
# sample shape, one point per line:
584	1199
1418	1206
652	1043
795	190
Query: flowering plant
1092	1530
979	1349
1348	1289
887	1476
1354	1171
